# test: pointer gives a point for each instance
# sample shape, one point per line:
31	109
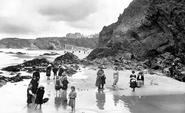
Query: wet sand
159	95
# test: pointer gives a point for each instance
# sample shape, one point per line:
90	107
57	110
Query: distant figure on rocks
48	71
115	76
39	97
55	70
133	83
140	79
30	95
100	73
72	98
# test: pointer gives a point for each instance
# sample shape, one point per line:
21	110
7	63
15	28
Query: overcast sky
42	18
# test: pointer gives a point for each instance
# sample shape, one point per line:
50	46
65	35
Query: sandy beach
89	100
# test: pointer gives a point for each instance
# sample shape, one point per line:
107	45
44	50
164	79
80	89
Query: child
39	97
72	96
57	85
30	95
65	83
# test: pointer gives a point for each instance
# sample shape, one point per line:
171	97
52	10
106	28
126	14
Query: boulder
41	63
13	79
50	54
15	68
67	58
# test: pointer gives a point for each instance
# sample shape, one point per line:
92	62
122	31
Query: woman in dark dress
133	83
65	83
39	97
140	79
35	84
60	71
36	74
55	70
98	78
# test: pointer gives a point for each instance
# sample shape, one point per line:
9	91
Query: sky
56	18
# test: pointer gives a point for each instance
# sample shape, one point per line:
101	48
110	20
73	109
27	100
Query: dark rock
50	54
41	63
146	28
67	58
14	79
100	53
20	53
15	68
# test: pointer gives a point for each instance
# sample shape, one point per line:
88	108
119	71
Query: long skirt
72	102
133	84
98	82
29	99
115	81
139	83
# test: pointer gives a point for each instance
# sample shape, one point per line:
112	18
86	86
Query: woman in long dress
140	79
98	78
72	97
133	83
115	76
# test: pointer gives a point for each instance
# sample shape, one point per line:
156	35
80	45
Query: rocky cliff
48	43
147	28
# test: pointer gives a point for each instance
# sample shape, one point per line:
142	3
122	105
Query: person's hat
41	86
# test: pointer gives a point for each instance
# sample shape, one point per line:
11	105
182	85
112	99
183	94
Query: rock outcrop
67	58
40	63
147	26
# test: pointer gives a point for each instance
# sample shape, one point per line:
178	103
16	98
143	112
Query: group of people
135	81
101	78
61	83
35	92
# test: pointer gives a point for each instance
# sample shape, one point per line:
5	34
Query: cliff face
48	43
148	26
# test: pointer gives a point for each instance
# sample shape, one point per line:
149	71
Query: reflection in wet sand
116	99
32	110
155	104
100	99
61	101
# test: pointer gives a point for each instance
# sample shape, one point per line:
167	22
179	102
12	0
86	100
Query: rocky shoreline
160	64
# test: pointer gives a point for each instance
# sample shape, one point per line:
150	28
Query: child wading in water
30	95
72	97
